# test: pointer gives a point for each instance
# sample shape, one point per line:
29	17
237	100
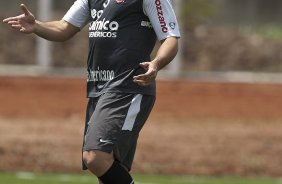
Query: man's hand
25	22
148	77
165	54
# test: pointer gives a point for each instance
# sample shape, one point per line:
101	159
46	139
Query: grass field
30	178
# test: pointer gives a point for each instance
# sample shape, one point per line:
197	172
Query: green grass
30	178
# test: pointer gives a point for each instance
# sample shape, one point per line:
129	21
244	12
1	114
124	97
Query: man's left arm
165	55
165	24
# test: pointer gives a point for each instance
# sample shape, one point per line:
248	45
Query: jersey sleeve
78	15
162	18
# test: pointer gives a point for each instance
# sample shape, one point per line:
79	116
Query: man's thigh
115	124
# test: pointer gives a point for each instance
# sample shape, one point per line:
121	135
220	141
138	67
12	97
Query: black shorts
113	123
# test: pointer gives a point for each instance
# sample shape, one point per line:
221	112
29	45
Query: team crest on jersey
120	1
172	25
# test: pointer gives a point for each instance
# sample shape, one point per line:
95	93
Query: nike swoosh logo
106	141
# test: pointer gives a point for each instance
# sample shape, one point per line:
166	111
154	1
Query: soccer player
121	75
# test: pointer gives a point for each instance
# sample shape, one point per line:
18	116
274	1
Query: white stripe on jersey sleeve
162	18
78	15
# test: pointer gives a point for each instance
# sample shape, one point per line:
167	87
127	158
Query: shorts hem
98	149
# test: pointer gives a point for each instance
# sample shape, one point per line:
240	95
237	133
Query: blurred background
217	35
220	99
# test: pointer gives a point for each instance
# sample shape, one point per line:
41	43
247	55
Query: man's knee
97	162
89	157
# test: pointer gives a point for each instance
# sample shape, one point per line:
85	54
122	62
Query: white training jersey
160	13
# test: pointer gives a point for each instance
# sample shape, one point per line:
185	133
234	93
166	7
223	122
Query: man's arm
165	55
54	31
164	22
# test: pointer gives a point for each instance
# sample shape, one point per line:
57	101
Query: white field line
68	178
65	178
25	175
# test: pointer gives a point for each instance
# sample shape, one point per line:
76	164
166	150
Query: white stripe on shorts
132	112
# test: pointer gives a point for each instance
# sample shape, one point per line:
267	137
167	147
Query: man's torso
120	37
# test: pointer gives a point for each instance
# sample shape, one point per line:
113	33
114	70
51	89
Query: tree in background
214	38
253	12
195	12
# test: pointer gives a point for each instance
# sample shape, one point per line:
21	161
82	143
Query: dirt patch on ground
195	128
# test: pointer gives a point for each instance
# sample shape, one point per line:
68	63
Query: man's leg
114	126
105	168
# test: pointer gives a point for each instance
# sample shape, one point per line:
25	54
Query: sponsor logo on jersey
93	13
146	24
103	25
100	75
161	16
96	14
102	28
